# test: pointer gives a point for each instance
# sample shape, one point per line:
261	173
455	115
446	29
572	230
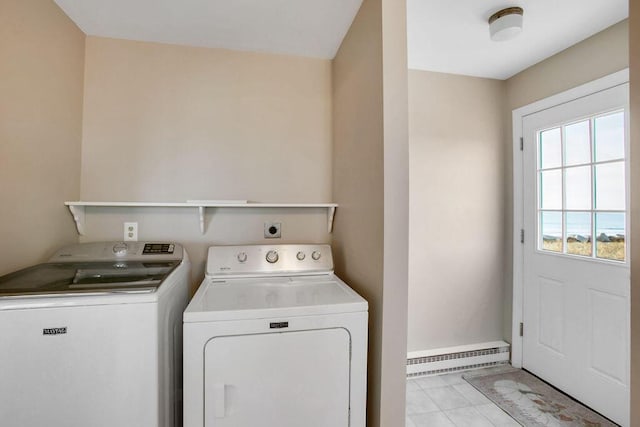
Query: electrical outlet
130	231
272	230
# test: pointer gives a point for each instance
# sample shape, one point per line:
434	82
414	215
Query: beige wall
172	123
369	151
595	57
358	177
634	57
457	210
41	78
181	123
396	212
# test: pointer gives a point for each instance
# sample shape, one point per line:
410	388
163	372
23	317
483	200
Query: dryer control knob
242	257
272	257
316	255
300	255
120	248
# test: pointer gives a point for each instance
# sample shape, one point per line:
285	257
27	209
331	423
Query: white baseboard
452	359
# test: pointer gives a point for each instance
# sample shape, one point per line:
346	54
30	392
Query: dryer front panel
286	379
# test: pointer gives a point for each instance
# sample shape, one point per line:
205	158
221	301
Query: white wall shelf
77	209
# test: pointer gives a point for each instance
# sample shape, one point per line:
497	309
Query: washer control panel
106	251
158	248
269	260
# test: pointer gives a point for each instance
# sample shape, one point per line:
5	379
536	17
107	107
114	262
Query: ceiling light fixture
505	24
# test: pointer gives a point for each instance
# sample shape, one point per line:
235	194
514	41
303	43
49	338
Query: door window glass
609	137
551	185
550	149
579	240
578	143
581	188
610	186
551	227
610	235
578	188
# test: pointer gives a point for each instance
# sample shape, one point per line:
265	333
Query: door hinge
521	329
522	235
521	144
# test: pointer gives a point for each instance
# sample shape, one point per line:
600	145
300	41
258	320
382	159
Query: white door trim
586	89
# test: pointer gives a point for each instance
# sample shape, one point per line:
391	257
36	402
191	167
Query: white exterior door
576	260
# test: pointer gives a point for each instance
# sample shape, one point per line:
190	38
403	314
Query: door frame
518	115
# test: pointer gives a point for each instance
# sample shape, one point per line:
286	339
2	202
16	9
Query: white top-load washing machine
272	338
93	337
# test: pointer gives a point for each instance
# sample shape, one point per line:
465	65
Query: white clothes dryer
273	338
93	337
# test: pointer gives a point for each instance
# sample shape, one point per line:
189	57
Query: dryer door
287	379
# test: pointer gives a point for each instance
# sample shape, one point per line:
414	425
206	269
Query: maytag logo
54	331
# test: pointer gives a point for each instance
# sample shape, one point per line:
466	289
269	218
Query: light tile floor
449	401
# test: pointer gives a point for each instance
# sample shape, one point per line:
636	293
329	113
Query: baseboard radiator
453	359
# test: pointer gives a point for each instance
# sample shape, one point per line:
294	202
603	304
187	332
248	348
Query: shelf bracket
78	216
201	212
331	212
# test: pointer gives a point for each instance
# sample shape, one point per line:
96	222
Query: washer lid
272	297
86	277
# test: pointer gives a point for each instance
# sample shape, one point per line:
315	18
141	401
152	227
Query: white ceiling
312	28
450	36
453	36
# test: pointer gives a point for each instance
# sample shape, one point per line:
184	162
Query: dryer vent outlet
272	230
